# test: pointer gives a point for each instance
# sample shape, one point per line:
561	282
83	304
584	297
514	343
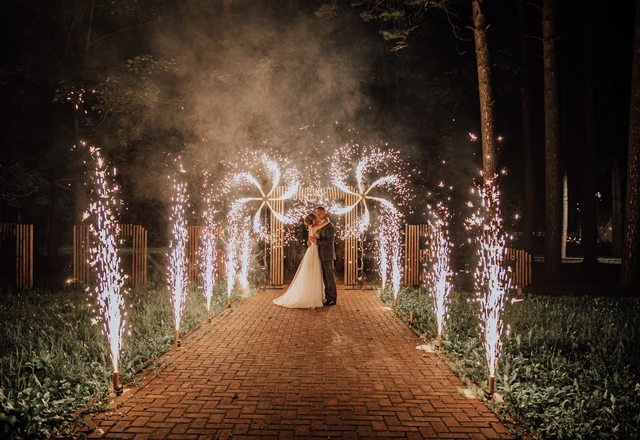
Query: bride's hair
308	220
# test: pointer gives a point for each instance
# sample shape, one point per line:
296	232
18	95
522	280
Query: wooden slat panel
520	263
276	262
138	234
350	243
19	252
81	244
193	247
416	254
7	230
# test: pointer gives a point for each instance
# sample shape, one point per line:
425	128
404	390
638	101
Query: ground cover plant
53	358
570	366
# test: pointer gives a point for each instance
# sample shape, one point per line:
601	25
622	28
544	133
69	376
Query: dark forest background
211	79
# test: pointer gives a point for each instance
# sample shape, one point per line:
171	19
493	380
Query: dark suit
327	252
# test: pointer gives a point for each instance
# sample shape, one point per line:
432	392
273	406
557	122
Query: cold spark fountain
208	252
232	231
177	270
104	257
438	277
370	161
245	257
382	258
396	263
491	279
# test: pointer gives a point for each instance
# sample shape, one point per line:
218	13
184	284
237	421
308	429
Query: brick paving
347	371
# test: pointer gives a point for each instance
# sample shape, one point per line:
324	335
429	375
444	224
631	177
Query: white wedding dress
306	291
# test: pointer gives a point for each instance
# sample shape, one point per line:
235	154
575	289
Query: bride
306	291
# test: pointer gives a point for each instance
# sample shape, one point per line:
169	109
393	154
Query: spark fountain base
228	302
177	338
491	385
209	316
439	346
117	388
411	318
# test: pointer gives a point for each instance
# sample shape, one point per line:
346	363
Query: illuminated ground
261	371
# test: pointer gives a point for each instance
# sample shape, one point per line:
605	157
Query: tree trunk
553	223
565	215
589	208
489	153
226	8
87	42
525	100
79	187
617	217
629	268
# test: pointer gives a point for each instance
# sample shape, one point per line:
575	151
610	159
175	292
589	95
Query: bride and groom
314	284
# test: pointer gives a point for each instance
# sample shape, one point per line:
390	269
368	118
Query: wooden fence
138	236
520	263
193	250
82	243
416	255
350	242
276	240
24	251
81	246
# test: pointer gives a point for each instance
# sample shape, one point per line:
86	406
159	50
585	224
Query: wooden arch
276	232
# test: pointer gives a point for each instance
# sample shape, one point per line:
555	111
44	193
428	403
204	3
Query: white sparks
492	281
177	270
208	253
104	255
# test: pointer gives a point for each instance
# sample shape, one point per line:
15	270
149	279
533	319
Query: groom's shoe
329	303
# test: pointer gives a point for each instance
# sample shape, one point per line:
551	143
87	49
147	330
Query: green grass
570	366
53	360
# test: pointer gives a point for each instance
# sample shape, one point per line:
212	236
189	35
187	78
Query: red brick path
347	371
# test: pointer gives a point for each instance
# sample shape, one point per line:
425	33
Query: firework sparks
245	258
382	258
177	269
438	278
372	160
491	278
396	264
232	232
267	198
208	253
386	171
104	258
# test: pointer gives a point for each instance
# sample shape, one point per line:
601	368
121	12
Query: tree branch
33	190
124	30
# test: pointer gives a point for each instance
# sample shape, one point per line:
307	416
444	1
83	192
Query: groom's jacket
326	237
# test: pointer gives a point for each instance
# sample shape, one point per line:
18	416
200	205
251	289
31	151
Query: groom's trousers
330	290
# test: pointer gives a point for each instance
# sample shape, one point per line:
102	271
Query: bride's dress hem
306	291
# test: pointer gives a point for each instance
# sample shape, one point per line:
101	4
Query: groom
327	256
